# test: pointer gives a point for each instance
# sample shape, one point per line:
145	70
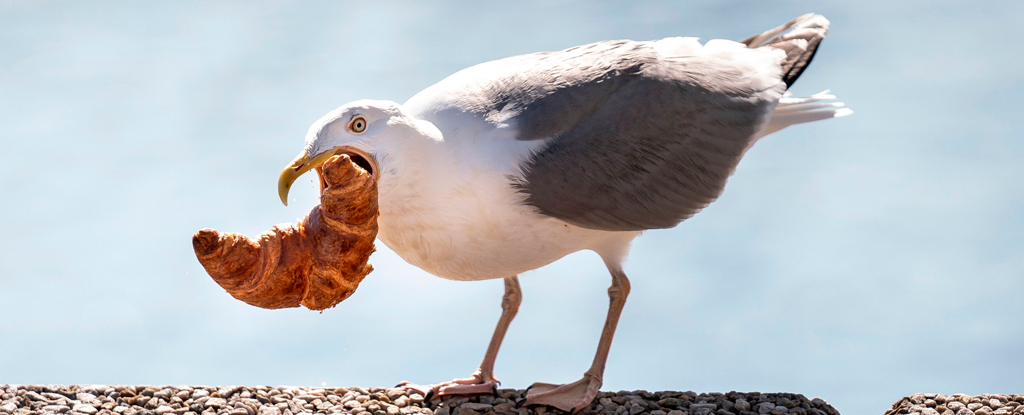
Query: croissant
317	262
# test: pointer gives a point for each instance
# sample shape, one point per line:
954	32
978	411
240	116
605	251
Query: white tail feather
792	111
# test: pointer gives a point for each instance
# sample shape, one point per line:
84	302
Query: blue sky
858	259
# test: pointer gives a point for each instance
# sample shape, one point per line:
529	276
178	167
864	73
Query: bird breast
455	217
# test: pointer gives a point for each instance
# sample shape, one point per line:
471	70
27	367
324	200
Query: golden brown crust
317	262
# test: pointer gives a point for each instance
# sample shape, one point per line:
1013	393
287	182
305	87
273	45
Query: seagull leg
574	396
483	380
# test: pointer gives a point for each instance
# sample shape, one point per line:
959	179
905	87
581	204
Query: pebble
216	402
464	411
477	406
85	409
289	400
765	408
80	396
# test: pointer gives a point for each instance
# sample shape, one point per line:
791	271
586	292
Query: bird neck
410	155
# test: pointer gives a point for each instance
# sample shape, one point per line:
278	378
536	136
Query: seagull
509	165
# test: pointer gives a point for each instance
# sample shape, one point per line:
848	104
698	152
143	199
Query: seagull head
364	130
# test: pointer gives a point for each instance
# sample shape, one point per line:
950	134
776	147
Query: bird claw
472	389
469	386
426	390
570	397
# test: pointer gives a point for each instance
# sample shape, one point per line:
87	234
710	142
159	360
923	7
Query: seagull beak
296	168
303	163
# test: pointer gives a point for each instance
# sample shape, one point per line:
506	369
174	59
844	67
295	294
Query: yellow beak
296	168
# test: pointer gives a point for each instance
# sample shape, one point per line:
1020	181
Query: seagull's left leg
483	380
574	396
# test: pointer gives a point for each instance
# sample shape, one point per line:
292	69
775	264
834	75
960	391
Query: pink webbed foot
472	385
570	397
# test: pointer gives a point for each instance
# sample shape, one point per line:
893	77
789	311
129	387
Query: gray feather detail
543	94
657	152
637	140
658	148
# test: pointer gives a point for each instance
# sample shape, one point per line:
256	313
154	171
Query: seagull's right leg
483	380
572	397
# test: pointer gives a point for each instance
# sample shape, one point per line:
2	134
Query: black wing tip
799	39
801	64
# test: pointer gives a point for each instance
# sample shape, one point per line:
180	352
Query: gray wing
642	134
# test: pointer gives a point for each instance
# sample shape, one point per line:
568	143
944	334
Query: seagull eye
357	125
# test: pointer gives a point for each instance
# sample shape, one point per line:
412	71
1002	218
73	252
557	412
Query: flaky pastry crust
317	262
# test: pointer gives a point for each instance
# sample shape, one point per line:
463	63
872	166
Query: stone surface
958	404
290	400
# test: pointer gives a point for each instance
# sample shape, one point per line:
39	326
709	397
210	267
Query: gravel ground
291	400
958	404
